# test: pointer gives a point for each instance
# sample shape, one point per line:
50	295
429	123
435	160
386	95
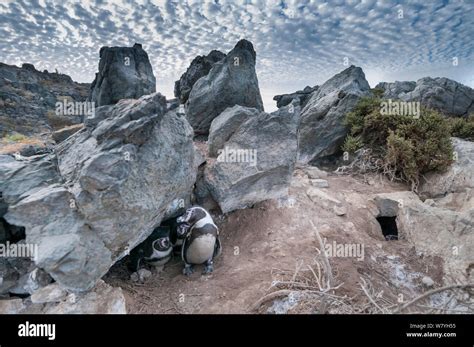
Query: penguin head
162	244
183	229
192	215
161	236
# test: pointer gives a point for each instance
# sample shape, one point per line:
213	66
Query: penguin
201	242
177	230
156	250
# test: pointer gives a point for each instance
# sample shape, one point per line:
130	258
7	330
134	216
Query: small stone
50	293
320	183
144	273
430	202
427	281
134	277
340	210
71	298
314	173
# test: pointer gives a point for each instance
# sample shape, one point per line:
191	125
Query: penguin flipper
184	248
217	248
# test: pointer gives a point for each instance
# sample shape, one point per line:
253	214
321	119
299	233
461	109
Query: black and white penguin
201	240
156	250
176	229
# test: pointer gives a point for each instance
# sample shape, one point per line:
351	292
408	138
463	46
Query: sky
298	43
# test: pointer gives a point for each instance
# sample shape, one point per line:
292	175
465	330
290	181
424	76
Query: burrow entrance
389	227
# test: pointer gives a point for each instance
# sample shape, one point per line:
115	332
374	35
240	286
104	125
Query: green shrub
352	144
462	127
408	146
15	137
419	146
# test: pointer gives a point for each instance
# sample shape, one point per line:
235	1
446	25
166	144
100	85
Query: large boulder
302	96
458	178
224	126
200	67
322	130
124	73
442	94
231	81
257	157
103	190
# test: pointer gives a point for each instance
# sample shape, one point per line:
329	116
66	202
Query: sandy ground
274	241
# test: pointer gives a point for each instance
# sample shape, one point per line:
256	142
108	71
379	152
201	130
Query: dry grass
15	142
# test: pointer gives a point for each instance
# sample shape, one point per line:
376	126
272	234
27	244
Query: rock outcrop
302	97
256	158
447	96
103	190
322	130
200	67
231	81
458	178
124	73
28	99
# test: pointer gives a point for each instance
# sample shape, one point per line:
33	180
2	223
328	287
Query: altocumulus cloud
298	43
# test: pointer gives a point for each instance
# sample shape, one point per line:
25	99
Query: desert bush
408	146
352	144
14	137
462	127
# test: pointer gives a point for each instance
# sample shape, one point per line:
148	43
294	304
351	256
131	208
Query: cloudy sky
298	43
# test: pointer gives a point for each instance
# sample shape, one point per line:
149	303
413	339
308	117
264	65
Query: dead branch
431	292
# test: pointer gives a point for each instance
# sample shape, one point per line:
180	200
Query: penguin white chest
201	249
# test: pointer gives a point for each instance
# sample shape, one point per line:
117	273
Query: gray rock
427	281
319	183
104	190
200	67
124	73
314	173
50	293
340	210
322	130
458	178
396	89
447	96
266	171
102	299
440	232
140	276
301	96
9	276
30	282
31	150
231	81
11	306
224	126
389	204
